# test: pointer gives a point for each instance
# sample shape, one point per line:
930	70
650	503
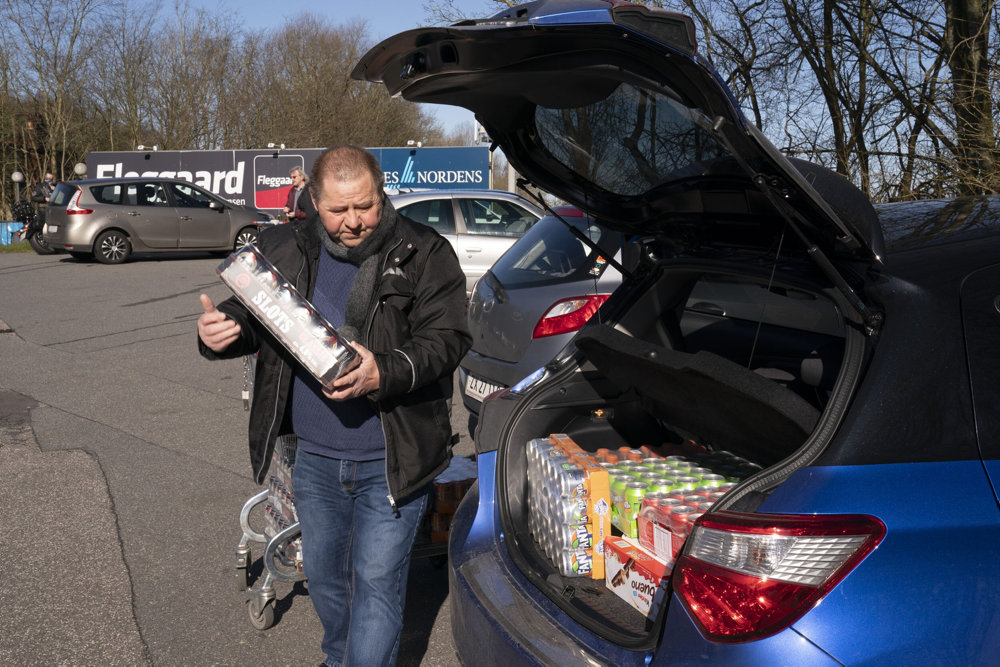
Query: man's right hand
214	329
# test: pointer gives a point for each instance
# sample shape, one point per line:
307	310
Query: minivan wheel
246	236
40	245
112	247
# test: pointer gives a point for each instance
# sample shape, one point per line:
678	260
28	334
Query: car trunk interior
702	362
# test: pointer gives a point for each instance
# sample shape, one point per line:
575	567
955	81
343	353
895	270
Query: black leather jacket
416	329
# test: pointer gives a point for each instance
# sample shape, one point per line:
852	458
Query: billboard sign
260	178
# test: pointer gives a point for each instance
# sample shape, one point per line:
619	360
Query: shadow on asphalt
426	594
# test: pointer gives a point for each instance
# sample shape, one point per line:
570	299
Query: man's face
297	178
350	210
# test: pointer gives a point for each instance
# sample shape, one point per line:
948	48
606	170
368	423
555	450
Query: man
369	447
43	191
299	204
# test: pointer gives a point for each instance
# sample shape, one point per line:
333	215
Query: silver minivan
109	219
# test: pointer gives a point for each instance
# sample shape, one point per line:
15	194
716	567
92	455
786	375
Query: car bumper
499	617
493	621
70	237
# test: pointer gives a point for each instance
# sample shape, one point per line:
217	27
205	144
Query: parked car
111	218
850	405
534	299
479	224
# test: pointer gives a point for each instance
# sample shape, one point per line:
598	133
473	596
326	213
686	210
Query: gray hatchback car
109	219
480	224
529	305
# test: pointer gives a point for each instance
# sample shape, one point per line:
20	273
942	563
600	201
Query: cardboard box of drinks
292	320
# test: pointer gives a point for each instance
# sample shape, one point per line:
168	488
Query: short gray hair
345	162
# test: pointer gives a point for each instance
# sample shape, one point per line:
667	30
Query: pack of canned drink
569	505
636	474
294	321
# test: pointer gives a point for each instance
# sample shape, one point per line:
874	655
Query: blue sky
385	18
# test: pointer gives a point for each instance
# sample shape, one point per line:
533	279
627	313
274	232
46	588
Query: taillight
74	205
568	315
747	576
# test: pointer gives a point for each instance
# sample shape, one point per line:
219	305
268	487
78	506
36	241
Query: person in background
370	446
299	205
42	193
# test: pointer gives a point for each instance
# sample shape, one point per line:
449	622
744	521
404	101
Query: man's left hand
363	380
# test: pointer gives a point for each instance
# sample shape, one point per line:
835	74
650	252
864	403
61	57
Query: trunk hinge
872	320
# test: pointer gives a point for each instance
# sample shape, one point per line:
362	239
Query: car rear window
549	253
435	213
62	194
494	217
107	194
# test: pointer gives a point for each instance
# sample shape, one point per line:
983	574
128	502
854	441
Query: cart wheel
266	618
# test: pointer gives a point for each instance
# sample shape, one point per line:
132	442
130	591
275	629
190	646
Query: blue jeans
356	555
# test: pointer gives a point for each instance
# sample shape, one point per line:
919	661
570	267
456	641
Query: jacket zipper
381	421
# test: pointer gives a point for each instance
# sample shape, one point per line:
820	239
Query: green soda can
634	493
661	485
686	483
712	480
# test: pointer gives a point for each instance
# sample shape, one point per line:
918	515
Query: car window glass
187	196
980	306
145	194
495	217
107	194
61	195
630	141
550	253
436	213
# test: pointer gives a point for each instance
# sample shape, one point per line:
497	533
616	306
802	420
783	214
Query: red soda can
680	517
695	499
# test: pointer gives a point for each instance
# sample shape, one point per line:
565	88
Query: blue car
832	391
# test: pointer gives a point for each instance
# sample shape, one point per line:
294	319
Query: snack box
286	314
598	496
634	575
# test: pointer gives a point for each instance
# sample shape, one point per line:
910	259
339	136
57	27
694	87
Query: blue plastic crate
7	230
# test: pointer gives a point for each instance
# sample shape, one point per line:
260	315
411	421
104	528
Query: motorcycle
33	222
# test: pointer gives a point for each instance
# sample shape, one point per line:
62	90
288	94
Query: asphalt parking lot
124	466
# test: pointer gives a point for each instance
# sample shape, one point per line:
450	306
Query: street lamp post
18	178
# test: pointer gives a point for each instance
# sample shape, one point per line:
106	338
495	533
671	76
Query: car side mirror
216	205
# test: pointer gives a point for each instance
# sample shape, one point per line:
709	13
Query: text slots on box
286	313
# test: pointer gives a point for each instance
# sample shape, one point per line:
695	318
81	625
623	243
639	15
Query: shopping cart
281	537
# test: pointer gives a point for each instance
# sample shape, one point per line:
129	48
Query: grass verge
21	246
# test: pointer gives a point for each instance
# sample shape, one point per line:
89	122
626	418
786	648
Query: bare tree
52	48
966	43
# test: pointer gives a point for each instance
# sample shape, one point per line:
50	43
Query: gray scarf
365	256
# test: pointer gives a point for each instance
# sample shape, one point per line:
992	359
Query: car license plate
478	388
50	229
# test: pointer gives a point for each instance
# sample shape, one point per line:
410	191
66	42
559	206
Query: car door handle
133	212
185	217
473	250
